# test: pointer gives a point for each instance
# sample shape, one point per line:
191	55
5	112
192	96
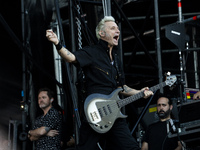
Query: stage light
23	106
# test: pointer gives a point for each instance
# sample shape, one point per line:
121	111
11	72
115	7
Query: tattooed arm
130	91
34	135
67	55
63	52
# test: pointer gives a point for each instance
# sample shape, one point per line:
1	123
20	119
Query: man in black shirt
47	127
103	74
156	136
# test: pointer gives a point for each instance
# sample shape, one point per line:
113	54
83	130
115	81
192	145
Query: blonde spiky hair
101	25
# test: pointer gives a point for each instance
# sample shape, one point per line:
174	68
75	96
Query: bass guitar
102	110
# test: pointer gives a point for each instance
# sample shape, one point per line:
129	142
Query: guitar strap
119	74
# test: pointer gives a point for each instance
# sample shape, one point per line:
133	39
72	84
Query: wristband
58	46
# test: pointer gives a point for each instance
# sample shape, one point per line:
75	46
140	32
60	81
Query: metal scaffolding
79	32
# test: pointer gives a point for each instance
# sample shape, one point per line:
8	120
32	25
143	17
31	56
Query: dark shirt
100	74
53	120
157	138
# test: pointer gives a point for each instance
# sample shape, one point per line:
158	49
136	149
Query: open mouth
116	37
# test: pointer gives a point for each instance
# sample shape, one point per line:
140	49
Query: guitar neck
139	95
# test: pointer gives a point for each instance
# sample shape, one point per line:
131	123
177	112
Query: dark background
11	67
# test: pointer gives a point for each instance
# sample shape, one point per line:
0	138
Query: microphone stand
143	112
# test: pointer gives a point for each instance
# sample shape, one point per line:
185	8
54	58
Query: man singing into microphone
156	136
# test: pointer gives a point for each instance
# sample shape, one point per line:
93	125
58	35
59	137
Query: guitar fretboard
139	95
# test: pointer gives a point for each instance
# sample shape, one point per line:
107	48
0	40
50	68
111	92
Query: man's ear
171	107
51	99
101	33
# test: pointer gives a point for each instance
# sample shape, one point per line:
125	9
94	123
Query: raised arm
62	51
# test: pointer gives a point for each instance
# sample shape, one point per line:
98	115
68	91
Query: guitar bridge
94	116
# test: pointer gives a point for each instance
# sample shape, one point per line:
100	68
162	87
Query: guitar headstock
170	79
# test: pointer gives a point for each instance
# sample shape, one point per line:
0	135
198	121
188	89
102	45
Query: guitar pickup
100	112
105	111
109	109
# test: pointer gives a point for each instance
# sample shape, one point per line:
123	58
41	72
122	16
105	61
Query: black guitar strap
119	74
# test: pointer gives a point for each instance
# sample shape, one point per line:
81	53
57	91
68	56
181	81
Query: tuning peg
168	73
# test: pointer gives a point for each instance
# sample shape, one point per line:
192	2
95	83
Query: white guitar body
102	110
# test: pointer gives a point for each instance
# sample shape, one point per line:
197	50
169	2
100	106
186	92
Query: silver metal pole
58	68
195	59
106	7
182	58
180	16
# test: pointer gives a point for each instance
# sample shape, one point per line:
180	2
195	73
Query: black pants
117	138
